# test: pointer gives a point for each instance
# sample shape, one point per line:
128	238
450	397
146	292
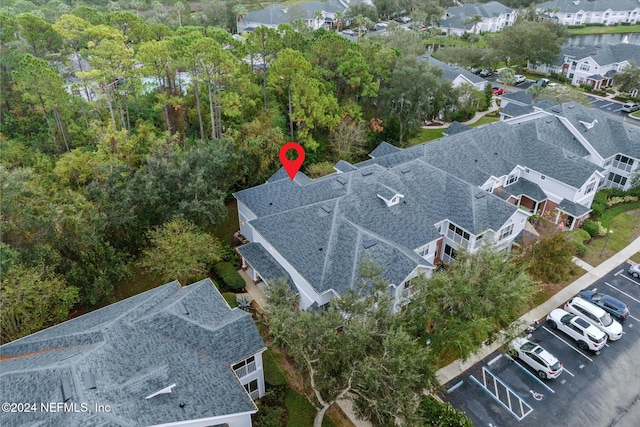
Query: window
590	187
252	389
424	252
506	232
616	181
623	163
458	235
584	66
245	367
449	254
607	163
511	179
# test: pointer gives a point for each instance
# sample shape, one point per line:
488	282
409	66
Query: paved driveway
596	389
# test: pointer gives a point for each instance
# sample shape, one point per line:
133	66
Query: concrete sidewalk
456	368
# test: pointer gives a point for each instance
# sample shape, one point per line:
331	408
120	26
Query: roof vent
183	309
89	380
341	180
481	195
165	390
367	172
66	390
326	208
589	125
369	243
405	170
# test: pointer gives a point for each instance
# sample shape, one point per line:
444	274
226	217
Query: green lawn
625	226
614	29
485	120
426	135
301	411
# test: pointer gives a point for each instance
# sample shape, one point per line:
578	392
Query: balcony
244	370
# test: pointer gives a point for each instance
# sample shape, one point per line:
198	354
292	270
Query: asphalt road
596	389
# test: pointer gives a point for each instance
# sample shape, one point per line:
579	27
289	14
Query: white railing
245	370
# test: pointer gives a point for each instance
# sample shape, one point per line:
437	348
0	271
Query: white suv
584	333
520	78
596	316
543	362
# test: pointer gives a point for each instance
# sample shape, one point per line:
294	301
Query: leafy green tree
31	298
42	86
507	76
535	42
548	258
38	34
409	97
463	307
437	414
263	44
628	80
310	103
534	90
178	250
356	345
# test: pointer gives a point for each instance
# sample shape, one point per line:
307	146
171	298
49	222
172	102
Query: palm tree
318	17
338	19
466	21
179	8
534	90
475	21
239	11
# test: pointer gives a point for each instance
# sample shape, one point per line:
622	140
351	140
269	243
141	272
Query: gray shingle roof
343	166
573	6
515	110
134	348
383	149
525	187
605	55
521	97
456	14
281	14
264	263
451	72
573	208
608	136
456	127
326	247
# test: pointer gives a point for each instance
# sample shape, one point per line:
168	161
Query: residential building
593	65
495	16
173	355
413	209
456	74
276	14
578	12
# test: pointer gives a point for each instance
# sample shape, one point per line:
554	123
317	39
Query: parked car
520	78
634	270
486	72
543	362
596	316
542	82
475	70
584	333
612	305
497	91
349	32
630	107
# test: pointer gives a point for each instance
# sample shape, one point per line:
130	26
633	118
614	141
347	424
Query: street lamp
605	242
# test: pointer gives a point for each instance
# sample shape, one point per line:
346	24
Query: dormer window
389	195
511	179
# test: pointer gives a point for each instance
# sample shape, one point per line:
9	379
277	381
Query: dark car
608	303
486	72
475	70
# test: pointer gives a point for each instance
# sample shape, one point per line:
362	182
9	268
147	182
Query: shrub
269	416
230	277
602	231
590	227
273	375
616	200
437	414
231	299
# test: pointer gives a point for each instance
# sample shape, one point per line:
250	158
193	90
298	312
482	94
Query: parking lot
612	107
595	389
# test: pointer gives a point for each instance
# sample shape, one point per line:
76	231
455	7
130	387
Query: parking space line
634	318
494	360
622	292
630	279
615	111
529	373
568	371
574	349
606	105
594	101
617	273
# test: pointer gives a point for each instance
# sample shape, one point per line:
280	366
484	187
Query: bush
269	416
617	200
436	414
232	280
231	299
590	227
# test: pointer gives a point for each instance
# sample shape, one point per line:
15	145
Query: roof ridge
332	239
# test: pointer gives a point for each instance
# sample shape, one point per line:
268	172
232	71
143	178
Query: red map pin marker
292	166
